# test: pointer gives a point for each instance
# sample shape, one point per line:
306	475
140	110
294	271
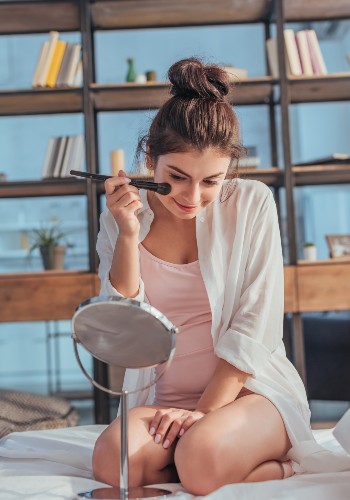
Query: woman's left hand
171	423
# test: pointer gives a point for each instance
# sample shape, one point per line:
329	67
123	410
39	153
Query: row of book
63	154
59	64
303	54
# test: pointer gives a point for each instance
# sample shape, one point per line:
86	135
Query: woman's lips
186	208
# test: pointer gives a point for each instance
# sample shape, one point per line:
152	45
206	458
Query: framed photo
338	244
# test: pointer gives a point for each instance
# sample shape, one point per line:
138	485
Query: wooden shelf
46	295
108	15
324	286
321	174
40	101
333	87
270	176
27	17
45	187
134	96
310	10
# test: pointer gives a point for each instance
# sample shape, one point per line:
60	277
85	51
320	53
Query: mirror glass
124	332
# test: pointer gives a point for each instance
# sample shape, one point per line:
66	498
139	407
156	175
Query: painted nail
166	443
157	438
127	180
152	431
181	433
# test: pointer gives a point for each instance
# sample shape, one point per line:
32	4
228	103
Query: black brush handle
159	187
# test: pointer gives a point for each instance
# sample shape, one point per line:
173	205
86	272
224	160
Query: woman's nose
193	194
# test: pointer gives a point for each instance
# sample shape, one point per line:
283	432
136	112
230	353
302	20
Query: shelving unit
307	287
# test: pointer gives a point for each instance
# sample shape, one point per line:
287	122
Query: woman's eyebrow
184	173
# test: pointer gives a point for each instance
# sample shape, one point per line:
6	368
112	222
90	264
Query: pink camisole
178	291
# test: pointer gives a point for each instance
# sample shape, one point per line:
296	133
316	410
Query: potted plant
48	241
310	251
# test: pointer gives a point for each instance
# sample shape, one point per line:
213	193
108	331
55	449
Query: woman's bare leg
273	469
233	444
149	463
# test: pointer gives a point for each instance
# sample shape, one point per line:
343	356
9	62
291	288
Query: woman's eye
210	183
177	177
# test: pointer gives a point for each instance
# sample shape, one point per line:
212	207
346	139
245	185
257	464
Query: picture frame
338	244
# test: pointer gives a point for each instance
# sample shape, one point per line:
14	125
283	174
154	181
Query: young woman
231	408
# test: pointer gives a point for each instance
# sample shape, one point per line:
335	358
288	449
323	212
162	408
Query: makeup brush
161	188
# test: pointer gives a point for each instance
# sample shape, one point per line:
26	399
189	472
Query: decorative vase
131	74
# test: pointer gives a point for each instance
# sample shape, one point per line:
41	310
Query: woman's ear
149	162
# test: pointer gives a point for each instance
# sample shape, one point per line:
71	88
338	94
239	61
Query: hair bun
191	79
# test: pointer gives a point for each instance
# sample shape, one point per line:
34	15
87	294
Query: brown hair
197	116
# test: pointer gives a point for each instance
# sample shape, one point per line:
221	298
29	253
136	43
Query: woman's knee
200	465
106	459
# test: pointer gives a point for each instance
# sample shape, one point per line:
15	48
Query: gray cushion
22	411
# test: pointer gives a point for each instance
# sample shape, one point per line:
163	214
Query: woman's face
195	178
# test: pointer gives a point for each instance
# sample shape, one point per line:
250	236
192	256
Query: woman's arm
223	388
124	274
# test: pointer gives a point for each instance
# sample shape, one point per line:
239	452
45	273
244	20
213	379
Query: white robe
240	256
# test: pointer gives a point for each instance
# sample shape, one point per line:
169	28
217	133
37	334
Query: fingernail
152	431
157	438
126	179
166	443
181	433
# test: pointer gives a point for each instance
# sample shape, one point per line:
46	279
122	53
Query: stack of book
303	54
59	64
63	154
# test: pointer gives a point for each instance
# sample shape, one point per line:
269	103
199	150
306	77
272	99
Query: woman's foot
287	469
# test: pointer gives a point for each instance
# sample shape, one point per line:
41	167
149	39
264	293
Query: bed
56	464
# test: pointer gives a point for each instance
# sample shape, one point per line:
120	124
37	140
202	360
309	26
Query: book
272	58
41	57
73	64
292	52
335	158
78	79
67	159
235	73
49	168
317	60
44	71
62	75
304	53
78	153
56	63
60	156
48	157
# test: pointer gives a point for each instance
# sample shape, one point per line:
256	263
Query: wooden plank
333	87
46	187
47	295
40	101
38	18
321	174
152	95
290	289
302	10
324	287
159	13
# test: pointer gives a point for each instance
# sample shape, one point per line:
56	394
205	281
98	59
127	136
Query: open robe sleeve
106	241
257	326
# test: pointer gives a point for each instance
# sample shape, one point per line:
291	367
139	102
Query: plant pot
58	256
53	257
310	252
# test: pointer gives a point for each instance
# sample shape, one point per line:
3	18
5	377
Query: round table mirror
128	334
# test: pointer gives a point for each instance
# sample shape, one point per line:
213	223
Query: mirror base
134	493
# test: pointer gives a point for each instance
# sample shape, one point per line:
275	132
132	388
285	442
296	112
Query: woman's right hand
123	201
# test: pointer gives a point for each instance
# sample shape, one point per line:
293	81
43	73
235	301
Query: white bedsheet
56	464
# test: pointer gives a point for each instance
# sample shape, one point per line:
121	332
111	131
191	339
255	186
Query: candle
117	161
